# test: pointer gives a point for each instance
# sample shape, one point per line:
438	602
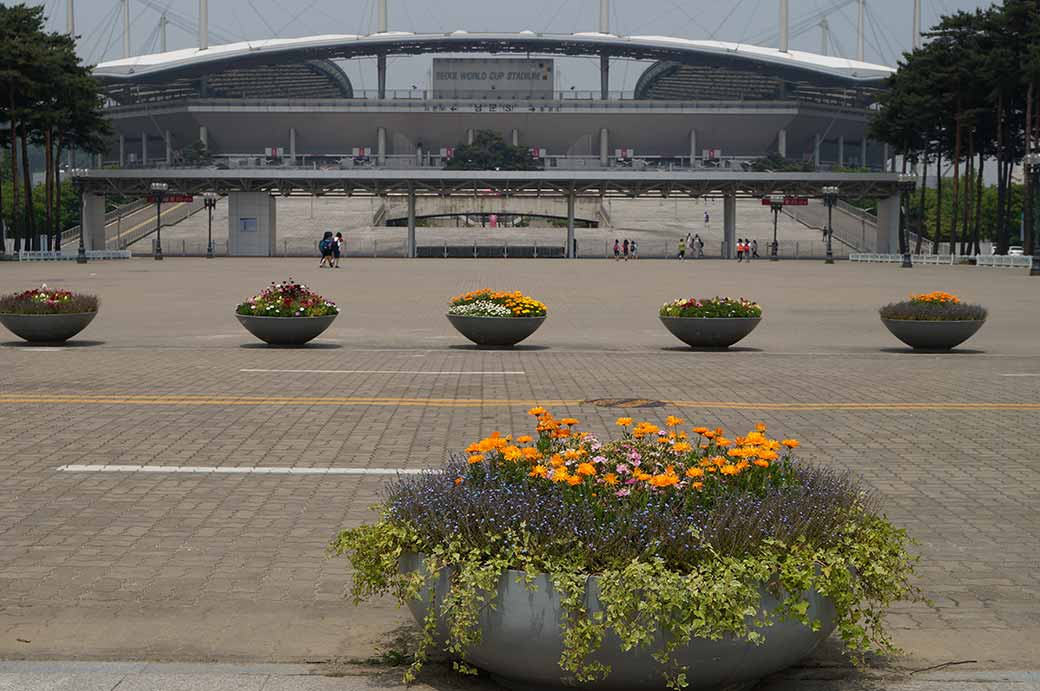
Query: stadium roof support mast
860	55
126	28
162	32
381	27
604	59
604	16
917	24
203	24
825	29
70	18
784	25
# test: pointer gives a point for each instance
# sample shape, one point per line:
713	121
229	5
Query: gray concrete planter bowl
933	335
521	642
286	331
698	332
496	331
46	328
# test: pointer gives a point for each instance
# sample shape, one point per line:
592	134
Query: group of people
746	249
331	249
692	245
625	249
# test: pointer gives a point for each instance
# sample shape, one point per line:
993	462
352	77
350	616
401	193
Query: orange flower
729	469
538	410
476	458
760	427
700	430
560	475
694	472
511	453
573	480
562	433
791	443
682	447
473	448
525	439
722	441
572	454
586	469
610	479
539	471
666	479
697	485
624	421
569	421
458	481
673	421
530	453
761	463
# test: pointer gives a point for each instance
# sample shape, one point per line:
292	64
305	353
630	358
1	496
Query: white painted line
1021	375
383	371
233	470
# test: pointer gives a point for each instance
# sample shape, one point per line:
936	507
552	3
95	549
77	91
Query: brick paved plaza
231	567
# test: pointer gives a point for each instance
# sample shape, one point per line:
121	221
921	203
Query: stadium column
817	143
204	136
93	221
693	148
604	76
122	151
863	153
144	149
168	137
841	151
411	220
888	225
381	75
781	143
292	146
381	145
569	250
729	224
604	146
516	137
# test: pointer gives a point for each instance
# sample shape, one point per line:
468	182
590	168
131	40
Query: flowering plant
517	304
44	300
936	306
704	517
480	308
712	308
287	299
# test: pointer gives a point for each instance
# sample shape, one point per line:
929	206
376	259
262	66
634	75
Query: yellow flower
476	458
531	454
673	421
729	469
511	453
694	472
791	443
573	480
682	447
539	471
525	439
624	421
538	410
610	479
586	469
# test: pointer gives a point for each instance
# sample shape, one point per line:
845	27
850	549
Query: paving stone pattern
201	567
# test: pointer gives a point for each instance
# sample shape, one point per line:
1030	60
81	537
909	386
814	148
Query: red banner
172	199
788	201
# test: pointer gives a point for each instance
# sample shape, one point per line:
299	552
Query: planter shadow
720	349
289	346
514	348
932	351
60	344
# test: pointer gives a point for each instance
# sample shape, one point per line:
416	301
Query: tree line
970	96
48	100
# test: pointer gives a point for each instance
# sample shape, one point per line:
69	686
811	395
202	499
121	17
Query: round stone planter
47	328
698	332
287	331
521	641
496	331
933	335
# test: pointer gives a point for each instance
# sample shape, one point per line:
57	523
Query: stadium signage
477	77
788	201
172	199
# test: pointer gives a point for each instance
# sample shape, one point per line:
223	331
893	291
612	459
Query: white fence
981	260
51	256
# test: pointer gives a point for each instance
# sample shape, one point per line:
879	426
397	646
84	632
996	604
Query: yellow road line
204	400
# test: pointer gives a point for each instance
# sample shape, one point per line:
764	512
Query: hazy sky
888	26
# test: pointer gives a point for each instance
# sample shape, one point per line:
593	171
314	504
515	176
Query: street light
776	203
209	199
158	188
907	183
81	253
830	198
1032	164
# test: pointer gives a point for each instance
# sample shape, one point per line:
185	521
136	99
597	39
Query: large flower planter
287	331
47	328
700	332
521	641
496	331
933	335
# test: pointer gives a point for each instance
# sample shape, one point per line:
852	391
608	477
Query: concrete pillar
292	146
516	137
729	224
418	156
604	16
604	76
381	145
93	216
381	75
126	28
204	136
144	149
122	151
411	221
841	152
885	155
694	155
203	24
888	225
168	138
781	143
784	25
569	250
604	146
863	153
252	224
469	136
817	143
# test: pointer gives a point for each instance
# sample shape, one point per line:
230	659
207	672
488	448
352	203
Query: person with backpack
682	249
624	248
325	247
740	250
338	245
633	249
697	247
754	249
617	249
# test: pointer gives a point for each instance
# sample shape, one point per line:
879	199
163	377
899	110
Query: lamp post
907	184
81	252
830	198
1032	165
209	199
158	189
776	203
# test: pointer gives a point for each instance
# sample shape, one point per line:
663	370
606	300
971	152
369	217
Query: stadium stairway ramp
111	218
853	227
141	224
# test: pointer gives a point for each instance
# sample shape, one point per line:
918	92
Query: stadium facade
288	102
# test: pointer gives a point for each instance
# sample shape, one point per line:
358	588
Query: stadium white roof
334	46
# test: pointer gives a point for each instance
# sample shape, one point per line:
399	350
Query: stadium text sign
505	77
788	201
172	199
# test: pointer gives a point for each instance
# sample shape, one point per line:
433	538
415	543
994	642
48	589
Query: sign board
447	152
172	199
362	152
537	152
623	153
492	78
712	154
788	201
274	152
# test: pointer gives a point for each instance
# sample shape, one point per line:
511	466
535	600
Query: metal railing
1004	261
46	255
980	260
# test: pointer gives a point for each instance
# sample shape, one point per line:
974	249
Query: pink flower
622	493
622	469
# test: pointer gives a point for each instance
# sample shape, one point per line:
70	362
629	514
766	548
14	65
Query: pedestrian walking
617	249
682	249
338	245
740	250
633	249
325	247
700	247
754	249
624	248
695	248
706	217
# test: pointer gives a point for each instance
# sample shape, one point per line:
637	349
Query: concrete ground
182	567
